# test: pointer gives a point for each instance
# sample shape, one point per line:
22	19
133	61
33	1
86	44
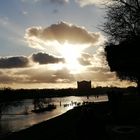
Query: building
84	85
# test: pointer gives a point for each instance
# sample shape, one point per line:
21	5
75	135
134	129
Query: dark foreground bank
93	121
79	123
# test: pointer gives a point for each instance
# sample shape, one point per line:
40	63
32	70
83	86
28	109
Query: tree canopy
123	29
122	20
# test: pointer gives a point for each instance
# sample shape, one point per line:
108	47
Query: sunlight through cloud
67	40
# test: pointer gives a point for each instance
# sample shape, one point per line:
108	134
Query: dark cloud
85	59
23	61
43	58
62	32
14	62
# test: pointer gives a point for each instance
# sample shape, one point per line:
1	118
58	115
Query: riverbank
92	121
79	123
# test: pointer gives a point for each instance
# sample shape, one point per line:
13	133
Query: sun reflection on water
13	122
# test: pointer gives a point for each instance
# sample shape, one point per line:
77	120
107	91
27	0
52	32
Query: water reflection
5	106
15	117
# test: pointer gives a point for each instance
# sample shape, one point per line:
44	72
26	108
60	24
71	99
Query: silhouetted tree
125	60
123	27
122	20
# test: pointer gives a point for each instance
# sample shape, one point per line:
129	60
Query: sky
53	44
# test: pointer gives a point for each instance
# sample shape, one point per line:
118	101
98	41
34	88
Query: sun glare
71	53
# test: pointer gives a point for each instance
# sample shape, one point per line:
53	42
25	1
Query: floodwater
18	115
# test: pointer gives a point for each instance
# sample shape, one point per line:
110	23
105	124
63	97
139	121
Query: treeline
17	94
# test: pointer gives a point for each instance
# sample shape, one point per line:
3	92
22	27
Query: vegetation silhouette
40	105
122	20
123	29
19	94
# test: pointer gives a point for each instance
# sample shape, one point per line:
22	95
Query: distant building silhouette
84	85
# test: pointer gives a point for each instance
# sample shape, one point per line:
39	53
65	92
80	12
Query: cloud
85	59
82	3
99	58
95	60
24	61
96	76
93	2
98	69
4	78
24	12
12	76
95	67
32	1
46	2
59	1
4	21
43	58
40	74
55	11
61	33
14	62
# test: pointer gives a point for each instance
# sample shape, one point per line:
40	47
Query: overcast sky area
53	44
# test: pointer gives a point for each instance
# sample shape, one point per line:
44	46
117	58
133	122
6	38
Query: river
18	115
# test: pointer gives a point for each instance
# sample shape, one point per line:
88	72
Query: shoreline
91	121
73	124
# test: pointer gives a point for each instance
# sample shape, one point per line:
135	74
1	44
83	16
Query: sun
71	53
